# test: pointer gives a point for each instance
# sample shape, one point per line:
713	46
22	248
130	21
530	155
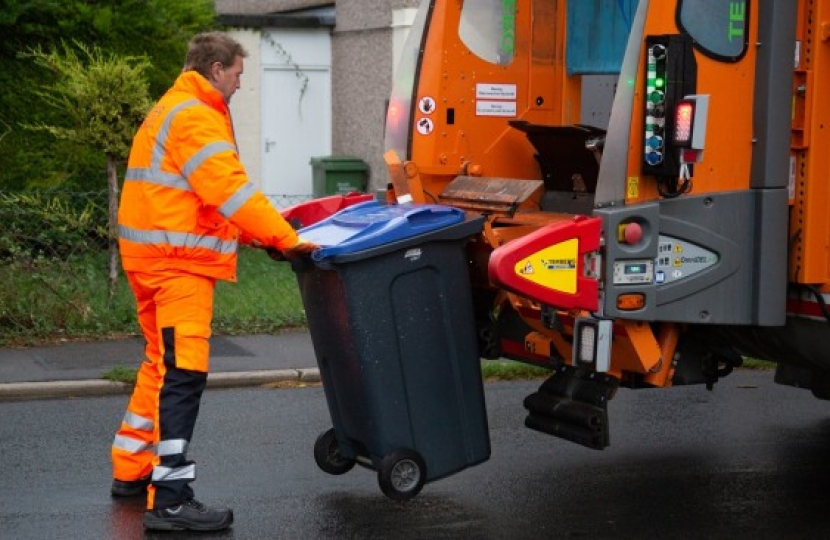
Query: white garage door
296	108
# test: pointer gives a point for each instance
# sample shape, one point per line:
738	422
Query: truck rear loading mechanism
651	239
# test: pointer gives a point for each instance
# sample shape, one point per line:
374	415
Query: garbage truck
654	177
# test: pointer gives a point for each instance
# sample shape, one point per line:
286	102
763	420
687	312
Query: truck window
399	111
488	29
597	36
718	26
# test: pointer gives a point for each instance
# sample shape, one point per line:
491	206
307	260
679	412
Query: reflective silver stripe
138	422
128	444
172	447
161	178
178	239
208	151
188	472
155	174
164	132
236	201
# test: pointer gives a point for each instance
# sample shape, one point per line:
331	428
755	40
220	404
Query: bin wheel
327	454
402	474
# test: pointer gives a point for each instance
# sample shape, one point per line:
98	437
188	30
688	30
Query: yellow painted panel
553	267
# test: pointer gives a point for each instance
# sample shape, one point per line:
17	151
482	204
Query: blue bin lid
370	224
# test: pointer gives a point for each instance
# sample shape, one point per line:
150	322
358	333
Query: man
186	205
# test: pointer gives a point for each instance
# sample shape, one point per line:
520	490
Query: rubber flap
370	224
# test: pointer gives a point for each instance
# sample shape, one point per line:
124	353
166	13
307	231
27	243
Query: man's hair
210	47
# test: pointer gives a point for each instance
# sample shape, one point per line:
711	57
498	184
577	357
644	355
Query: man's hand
302	247
275	254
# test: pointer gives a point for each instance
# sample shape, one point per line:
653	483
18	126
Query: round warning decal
426	105
425	126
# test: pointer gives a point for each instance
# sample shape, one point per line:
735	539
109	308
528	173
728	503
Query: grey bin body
394	334
338	175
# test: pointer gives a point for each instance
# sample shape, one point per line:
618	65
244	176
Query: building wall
246	7
246	105
361	80
362	70
364	44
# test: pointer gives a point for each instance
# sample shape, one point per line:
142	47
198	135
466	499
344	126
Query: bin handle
422	217
356	207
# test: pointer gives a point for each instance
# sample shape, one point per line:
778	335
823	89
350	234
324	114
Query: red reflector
690	156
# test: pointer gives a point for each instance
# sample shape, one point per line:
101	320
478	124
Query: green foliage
103	96
50	225
154	29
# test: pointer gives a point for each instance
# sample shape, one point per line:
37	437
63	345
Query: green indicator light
655	97
659	83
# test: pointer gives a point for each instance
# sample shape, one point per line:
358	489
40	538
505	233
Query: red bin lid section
316	210
547	265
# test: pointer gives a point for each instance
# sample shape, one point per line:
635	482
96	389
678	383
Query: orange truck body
685	233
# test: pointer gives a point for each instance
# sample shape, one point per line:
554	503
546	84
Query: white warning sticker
425	126
495	108
495	91
426	105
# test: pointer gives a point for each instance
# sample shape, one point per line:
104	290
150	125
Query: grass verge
754	363
45	300
491	370
121	374
507	370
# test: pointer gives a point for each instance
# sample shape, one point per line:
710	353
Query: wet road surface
749	460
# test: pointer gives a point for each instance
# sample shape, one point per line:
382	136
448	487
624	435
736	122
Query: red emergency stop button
630	233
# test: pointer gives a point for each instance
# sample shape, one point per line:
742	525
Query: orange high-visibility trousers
174	311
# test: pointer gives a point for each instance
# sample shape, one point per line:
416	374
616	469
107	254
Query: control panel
633	272
678	259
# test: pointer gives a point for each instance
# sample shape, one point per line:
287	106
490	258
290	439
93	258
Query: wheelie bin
390	314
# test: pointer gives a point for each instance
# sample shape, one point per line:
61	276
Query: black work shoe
190	515
130	488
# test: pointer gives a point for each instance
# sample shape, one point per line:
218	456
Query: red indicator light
393	112
683	119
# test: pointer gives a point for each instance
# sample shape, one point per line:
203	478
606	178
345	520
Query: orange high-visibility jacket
186	196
